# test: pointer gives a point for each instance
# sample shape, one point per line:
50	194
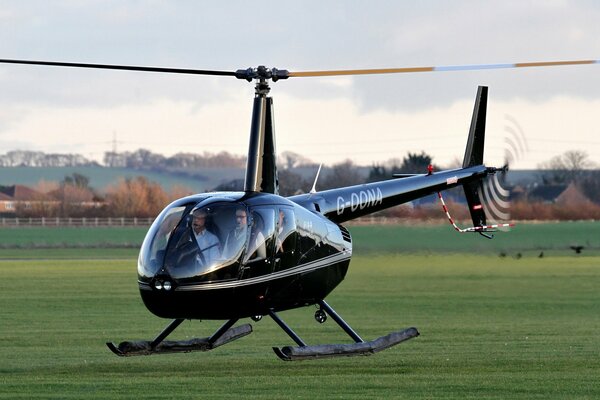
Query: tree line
73	197
138	159
139	197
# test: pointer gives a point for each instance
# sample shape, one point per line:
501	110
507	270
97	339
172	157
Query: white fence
81	222
146	222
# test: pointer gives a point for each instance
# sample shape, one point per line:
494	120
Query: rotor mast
261	168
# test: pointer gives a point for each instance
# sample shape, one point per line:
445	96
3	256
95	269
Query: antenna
314	186
114	142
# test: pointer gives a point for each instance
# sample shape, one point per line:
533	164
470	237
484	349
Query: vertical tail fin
474	151
474	156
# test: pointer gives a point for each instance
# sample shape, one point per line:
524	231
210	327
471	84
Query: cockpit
199	241
209	239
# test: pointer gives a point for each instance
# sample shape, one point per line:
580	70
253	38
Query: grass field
529	239
64	237
491	327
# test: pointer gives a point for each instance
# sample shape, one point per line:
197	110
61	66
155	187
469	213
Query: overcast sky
542	112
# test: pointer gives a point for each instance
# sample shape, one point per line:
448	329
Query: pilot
208	243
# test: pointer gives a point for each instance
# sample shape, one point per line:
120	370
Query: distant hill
198	180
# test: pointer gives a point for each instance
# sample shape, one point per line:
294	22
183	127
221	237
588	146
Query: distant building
19	197
546	193
572	195
7	204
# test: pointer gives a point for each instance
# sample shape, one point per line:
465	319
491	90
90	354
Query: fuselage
201	260
234	255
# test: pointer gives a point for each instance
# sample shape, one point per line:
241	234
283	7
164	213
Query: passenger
280	233
237	236
208	243
256	247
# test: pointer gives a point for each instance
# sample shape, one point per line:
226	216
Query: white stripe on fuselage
300	269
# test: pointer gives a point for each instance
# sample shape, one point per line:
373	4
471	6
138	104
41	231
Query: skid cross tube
287	329
340	322
166	332
224	328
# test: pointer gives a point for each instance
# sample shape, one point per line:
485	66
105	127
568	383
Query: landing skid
289	353
222	336
360	347
226	334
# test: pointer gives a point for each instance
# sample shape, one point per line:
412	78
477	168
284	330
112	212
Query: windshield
153	249
208	243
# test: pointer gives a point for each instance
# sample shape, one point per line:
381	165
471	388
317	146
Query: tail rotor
494	190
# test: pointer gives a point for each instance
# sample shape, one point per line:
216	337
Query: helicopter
249	254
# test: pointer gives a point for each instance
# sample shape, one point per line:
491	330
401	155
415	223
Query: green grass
529	239
65	237
80	253
490	328
526	238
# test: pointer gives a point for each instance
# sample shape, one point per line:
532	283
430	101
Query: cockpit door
286	254
258	259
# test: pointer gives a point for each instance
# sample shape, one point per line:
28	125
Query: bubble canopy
195	239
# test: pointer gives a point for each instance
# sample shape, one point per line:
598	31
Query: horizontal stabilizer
474	203
405	175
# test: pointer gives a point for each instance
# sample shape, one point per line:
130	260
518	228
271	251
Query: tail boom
344	204
340	205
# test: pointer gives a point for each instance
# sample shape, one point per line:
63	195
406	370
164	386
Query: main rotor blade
250	73
439	69
121	67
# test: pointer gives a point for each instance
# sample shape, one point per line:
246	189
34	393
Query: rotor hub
262	73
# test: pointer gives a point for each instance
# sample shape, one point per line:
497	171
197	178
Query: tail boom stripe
482	228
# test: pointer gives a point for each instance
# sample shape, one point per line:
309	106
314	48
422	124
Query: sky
534	114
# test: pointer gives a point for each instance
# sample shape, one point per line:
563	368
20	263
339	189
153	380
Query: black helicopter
233	255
